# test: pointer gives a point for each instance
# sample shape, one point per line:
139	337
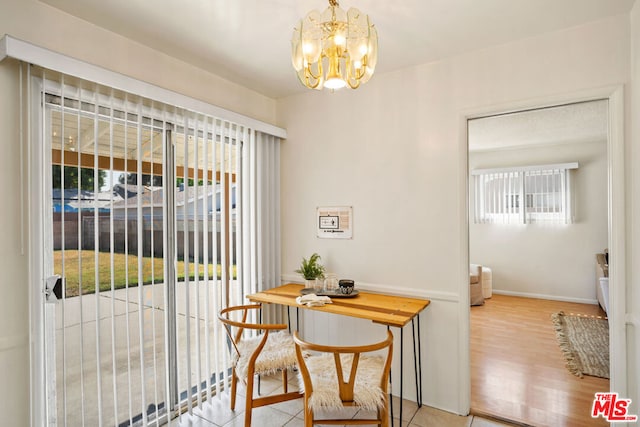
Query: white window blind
524	195
161	216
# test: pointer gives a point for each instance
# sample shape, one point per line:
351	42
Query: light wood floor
517	369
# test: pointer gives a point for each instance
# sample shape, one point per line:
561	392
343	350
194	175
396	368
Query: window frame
500	204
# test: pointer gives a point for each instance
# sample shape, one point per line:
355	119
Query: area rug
584	341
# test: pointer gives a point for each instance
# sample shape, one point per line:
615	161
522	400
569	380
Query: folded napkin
313	300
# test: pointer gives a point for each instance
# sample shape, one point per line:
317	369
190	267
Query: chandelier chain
334	3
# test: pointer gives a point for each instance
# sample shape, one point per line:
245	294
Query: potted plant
311	269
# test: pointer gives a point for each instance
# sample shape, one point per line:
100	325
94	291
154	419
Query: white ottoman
487	282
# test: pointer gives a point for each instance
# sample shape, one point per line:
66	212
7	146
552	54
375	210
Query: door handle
53	288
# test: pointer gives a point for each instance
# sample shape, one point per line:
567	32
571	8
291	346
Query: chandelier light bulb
334	49
335	83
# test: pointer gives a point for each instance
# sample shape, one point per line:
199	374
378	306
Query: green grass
79	267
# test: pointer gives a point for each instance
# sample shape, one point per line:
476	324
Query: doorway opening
535	267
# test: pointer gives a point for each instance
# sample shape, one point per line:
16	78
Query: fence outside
81	228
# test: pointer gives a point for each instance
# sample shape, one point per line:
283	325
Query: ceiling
248	41
571	123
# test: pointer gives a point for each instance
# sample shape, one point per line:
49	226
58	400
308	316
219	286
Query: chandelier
334	49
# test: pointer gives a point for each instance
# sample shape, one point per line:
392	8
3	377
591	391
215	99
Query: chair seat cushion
367	393
278	353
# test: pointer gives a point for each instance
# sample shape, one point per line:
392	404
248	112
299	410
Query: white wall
539	260
45	26
392	149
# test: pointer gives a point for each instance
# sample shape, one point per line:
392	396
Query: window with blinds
524	195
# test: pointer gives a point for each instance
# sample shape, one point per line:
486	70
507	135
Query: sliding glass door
145	205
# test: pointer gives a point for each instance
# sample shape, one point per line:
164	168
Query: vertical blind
161	217
524	195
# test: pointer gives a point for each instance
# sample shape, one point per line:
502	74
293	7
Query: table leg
401	371
417	361
259	321
417	367
390	390
419	379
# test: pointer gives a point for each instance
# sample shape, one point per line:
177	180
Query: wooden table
389	310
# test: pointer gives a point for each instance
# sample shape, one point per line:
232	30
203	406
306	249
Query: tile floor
216	413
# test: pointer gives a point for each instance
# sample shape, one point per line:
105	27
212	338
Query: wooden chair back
345	387
236	322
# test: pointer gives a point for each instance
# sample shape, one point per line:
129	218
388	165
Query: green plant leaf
312	268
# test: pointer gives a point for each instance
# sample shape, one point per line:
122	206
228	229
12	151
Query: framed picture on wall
335	222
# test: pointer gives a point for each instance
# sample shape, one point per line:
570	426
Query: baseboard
544	296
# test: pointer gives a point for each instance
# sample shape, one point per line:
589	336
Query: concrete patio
131	327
